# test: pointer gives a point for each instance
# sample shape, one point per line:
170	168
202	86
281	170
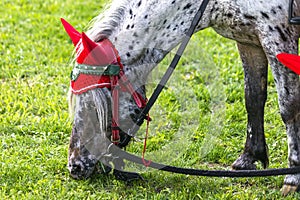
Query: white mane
105	23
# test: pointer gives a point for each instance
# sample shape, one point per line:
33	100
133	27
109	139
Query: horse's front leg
255	71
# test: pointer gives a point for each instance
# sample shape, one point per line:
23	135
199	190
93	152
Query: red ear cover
92	53
291	61
89	52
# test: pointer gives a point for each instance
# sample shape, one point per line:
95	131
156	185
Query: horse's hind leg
255	66
288	89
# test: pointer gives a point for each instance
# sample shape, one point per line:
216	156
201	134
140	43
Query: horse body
145	31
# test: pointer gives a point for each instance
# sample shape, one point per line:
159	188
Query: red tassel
145	162
291	61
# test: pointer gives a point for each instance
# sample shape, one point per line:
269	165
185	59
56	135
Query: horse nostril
81	170
75	169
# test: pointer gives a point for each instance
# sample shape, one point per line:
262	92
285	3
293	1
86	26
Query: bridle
117	81
112	77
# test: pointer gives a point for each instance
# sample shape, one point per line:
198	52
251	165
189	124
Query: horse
137	35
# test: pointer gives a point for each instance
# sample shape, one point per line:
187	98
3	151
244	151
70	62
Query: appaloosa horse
143	32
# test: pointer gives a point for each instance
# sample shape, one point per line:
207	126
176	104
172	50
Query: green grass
34	125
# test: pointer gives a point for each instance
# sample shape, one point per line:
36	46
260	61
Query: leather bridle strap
115	89
118	83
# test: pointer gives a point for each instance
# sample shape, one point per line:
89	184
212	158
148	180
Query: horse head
91	100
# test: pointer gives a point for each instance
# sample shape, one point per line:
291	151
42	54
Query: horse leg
255	66
288	89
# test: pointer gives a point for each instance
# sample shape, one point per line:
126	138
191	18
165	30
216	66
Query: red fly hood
91	57
291	61
89	52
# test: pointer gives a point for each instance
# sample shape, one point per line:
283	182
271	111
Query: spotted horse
137	35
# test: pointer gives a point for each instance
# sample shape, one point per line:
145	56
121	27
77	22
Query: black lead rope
171	68
196	172
199	172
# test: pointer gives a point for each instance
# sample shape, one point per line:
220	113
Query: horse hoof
289	189
247	161
244	162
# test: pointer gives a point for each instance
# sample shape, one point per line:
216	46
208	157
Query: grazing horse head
92	103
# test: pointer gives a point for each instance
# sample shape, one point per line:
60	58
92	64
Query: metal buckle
295	20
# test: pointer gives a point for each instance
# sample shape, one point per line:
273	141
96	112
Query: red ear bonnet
89	52
291	61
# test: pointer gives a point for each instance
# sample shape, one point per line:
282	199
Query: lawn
199	121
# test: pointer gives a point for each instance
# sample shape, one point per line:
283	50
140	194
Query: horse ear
87	43
291	61
72	32
101	53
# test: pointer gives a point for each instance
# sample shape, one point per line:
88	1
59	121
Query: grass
206	89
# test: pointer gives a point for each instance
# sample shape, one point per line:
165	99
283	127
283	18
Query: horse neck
145	31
